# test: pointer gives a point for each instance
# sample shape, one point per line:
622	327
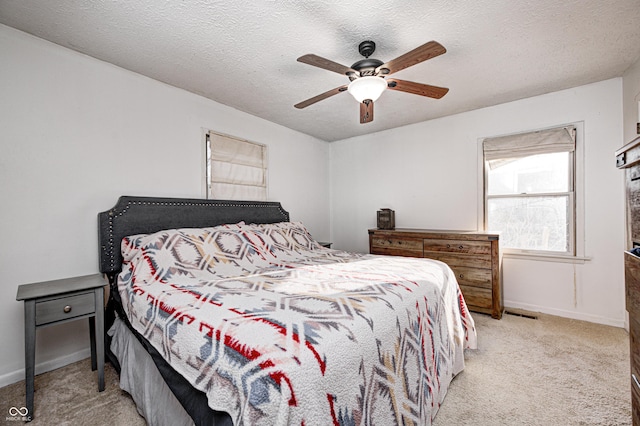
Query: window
530	190
236	169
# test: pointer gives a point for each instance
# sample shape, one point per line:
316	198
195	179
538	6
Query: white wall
428	173
76	133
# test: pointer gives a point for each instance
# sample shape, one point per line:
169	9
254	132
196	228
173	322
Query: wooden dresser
628	158
474	257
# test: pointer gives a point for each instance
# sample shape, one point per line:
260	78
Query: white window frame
256	187
575	253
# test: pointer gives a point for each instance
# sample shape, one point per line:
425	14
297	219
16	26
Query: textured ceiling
243	53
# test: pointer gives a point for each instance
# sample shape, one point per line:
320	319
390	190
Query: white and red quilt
278	330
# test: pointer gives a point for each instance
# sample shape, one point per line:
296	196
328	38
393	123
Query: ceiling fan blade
366	112
416	88
320	97
419	54
326	64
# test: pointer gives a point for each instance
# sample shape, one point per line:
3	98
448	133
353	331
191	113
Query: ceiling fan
368	76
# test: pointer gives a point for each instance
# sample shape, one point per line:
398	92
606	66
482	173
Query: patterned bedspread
277	330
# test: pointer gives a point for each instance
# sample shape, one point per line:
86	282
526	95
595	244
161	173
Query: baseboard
16	376
566	314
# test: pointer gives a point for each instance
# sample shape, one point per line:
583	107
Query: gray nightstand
54	302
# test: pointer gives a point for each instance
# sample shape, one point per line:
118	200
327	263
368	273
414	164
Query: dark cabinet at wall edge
628	159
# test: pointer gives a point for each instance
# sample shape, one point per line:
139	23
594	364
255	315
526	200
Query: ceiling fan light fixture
370	87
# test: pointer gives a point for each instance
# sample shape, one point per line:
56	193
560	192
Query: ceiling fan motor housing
367	66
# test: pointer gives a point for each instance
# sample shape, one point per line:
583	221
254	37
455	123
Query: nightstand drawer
62	308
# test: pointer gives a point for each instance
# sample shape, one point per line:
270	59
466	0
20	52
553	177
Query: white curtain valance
531	143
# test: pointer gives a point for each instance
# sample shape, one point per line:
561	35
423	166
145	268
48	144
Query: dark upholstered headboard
144	215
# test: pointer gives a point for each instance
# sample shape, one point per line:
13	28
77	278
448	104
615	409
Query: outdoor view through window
530	201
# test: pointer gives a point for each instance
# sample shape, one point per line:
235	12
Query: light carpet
545	371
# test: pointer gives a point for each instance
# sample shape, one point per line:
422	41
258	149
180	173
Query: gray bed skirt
140	378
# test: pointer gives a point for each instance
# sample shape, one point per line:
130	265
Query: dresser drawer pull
460	247
461	276
67	309
635	379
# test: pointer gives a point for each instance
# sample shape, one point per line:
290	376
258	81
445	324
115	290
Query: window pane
535	174
531	223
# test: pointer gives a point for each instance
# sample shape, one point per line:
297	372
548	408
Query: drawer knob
461	275
67	309
448	245
460	246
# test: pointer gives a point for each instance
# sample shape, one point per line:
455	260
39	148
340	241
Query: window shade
532	143
237	169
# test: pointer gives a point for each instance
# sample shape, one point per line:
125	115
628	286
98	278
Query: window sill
544	257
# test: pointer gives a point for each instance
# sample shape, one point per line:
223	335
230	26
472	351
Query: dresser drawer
475	277
632	283
634	347
634	342
458	246
477	297
470	261
396	246
71	306
635	403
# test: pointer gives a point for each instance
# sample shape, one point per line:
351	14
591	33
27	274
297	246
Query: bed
225	312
